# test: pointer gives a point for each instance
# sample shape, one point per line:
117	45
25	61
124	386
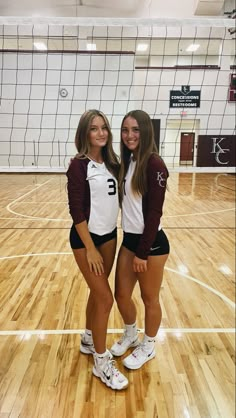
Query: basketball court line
186	276
179	331
32	219
46	202
36	218
211	289
118	227
26	194
198	213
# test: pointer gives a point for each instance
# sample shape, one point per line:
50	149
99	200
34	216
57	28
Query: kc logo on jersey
160	179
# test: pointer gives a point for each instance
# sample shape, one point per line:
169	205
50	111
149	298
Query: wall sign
216	151
185	97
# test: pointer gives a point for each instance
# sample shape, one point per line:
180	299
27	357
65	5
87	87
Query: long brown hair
146	147
83	146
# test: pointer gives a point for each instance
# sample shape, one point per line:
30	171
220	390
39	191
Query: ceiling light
142	47
40	45
91	47
192	48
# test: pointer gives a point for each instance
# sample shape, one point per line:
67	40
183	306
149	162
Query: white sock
131	330
88	335
149	343
101	358
99	355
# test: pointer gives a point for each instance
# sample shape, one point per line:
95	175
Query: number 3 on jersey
112	186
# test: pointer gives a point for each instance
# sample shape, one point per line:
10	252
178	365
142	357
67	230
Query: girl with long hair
94	204
145	247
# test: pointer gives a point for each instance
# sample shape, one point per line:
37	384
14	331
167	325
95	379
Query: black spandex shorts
160	246
77	243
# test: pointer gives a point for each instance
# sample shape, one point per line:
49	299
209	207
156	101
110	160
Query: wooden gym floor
43	298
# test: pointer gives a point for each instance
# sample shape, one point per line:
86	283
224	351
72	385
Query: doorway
156	123
186	148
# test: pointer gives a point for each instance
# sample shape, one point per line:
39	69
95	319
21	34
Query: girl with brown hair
93	203
145	247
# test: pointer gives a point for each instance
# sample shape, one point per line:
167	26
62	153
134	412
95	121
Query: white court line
198	213
29	218
43	202
119	331
36	218
26	194
32	255
186	276
116	331
211	289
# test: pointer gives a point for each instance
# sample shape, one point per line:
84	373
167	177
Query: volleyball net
182	73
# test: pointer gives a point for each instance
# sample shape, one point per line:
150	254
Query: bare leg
150	284
124	285
107	251
100	298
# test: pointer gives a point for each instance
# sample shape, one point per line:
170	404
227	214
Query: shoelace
142	348
124	336
139	349
136	351
111	368
89	343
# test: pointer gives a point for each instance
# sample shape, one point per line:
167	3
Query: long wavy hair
146	147
82	141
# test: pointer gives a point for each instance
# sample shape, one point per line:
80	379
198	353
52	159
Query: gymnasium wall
43	95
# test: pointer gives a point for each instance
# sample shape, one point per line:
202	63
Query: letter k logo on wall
217	150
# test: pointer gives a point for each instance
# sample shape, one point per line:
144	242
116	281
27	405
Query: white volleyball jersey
104	205
132	212
142	214
93	195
